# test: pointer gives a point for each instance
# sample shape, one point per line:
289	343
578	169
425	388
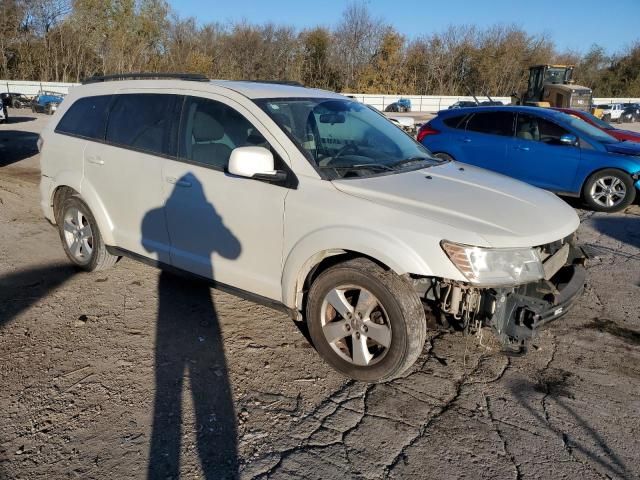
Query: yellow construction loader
553	86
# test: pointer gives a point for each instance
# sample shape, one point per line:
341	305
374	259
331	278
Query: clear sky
572	24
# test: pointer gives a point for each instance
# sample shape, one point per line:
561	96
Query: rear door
126	170
537	156
484	142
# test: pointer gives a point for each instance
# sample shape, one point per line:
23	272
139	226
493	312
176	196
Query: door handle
95	160
178	183
466	140
525	149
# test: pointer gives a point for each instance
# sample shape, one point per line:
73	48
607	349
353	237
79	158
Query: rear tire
382	328
81	238
609	190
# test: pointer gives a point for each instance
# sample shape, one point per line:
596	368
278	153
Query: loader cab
552	86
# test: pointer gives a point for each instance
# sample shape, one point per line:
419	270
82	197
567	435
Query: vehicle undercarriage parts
514	313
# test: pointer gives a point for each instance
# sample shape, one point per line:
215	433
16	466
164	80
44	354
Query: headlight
495	266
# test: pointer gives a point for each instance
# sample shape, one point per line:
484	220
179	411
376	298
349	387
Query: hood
503	211
624	134
625	148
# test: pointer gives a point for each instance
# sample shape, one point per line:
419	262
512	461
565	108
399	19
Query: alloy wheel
355	325
78	235
608	191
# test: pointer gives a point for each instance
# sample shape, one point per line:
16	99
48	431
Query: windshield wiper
360	166
409	160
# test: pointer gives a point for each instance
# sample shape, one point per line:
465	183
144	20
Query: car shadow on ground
190	350
624	229
16	145
22	289
18	119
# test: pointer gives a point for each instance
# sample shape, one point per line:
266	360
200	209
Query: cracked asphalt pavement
134	373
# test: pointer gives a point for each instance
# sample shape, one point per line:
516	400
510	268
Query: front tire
81	238
366	322
609	190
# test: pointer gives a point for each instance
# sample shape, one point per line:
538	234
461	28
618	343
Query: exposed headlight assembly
495	266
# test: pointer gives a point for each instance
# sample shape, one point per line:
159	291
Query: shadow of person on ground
22	289
190	349
625	229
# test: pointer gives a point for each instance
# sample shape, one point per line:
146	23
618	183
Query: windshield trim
262	104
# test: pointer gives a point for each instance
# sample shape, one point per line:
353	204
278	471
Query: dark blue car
540	146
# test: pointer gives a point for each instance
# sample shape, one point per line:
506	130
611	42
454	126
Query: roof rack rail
291	83
193	77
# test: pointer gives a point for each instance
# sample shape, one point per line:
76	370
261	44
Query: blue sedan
540	146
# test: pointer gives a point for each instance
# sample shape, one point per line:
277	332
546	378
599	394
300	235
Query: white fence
419	103
32	88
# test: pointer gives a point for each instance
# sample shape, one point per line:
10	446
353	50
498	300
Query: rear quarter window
86	118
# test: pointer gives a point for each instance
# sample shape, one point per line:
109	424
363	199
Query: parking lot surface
131	372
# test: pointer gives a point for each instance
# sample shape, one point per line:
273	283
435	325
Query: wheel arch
634	176
316	252
66	187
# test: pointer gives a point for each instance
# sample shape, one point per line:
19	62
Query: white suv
612	112
309	202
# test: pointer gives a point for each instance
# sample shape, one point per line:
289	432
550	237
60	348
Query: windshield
343	138
555	75
598	122
589	130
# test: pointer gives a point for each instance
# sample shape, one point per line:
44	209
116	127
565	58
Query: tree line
68	40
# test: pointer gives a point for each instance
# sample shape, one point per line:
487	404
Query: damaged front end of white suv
513	290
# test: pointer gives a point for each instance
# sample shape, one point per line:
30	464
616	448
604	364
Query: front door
537	156
223	227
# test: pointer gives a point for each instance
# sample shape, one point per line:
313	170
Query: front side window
145	121
493	123
86	118
211	130
530	127
343	138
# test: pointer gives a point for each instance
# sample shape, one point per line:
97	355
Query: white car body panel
406	122
502	211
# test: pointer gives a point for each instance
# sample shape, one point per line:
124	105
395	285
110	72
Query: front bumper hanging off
519	312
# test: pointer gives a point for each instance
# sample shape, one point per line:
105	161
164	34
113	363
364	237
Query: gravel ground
132	373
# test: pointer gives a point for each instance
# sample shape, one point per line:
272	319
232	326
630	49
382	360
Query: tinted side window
211	130
87	117
145	121
494	123
455	122
530	127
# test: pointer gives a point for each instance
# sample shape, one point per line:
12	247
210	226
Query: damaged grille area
513	312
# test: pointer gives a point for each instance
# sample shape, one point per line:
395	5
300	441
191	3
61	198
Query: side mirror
569	139
254	162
